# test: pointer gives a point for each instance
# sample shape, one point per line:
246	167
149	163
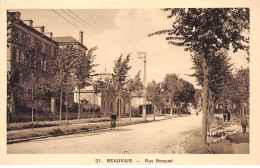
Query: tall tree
83	68
133	86
107	89
219	71
172	90
153	92
120	76
236	91
206	31
63	65
187	92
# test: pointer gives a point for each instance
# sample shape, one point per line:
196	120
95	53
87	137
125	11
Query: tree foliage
219	71
154	94
135	85
208	30
121	69
205	31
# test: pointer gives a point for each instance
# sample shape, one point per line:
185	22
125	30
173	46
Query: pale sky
123	31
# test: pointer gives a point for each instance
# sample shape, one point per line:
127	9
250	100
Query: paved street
165	136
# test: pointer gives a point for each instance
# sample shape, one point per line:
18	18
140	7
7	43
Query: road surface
159	137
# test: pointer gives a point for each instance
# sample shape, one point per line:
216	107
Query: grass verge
193	145
61	130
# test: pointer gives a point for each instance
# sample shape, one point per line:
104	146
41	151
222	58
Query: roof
68	39
64	39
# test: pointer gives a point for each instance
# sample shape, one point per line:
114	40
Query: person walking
228	115
244	124
224	115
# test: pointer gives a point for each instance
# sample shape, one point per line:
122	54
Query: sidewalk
238	139
20	132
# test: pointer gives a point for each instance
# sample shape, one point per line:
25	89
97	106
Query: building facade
30	54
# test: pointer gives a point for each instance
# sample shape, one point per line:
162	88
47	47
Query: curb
68	133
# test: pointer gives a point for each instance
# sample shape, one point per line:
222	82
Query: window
32	41
18	55
20	78
111	107
35	61
42	64
22	57
45	65
43	47
52	51
19	36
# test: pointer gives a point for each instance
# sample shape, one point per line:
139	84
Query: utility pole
142	55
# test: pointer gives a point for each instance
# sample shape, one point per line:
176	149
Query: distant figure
244	124
224	115
197	113
113	120
228	116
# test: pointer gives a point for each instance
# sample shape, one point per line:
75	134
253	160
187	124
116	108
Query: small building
137	102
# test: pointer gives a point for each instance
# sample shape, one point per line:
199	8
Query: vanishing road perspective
128	81
158	137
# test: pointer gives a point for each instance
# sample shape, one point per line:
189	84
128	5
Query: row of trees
121	84
70	69
207	33
172	92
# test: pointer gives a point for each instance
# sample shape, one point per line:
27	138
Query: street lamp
142	55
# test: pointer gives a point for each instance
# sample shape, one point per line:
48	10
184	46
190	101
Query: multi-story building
30	52
80	48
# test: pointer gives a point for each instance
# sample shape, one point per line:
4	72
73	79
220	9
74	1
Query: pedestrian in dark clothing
224	115
244	123
228	116
197	113
113	120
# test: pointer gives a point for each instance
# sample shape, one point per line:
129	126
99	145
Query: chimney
41	28
50	33
30	22
18	15
81	37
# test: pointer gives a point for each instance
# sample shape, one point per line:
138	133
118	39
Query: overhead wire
66	19
83	20
77	21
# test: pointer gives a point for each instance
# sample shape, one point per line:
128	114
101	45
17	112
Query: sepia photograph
115	82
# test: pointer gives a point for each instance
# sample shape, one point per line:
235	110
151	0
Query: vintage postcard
129	82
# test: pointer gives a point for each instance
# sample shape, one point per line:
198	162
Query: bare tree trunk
154	112
32	99
171	108
205	103
93	114
66	105
119	105
105	112
60	101
130	109
36	114
79	105
88	117
242	109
